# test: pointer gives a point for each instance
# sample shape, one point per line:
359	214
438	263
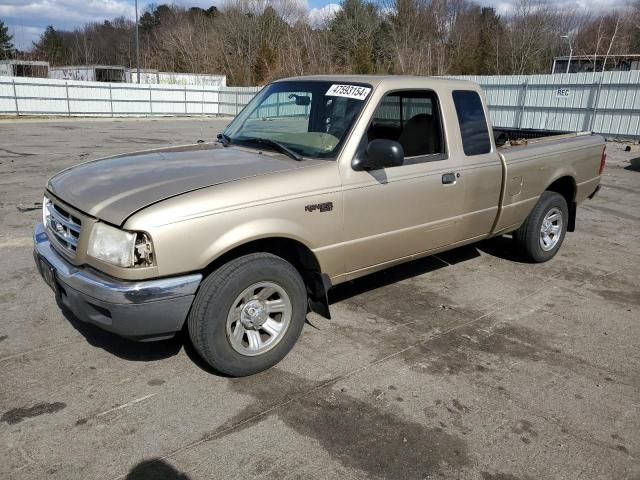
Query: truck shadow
501	247
401	272
122	347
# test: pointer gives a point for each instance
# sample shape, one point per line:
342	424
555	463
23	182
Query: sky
27	19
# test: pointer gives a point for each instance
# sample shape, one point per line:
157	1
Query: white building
90	73
24	68
595	63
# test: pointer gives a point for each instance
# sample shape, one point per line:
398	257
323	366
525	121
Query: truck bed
505	135
533	165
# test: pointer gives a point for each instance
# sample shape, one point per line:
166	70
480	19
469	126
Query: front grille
64	227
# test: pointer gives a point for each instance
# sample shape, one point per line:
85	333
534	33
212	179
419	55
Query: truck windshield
307	118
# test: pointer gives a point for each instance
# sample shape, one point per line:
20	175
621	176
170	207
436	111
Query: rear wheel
543	232
248	314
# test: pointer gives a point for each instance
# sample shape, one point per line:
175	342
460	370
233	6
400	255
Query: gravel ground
469	365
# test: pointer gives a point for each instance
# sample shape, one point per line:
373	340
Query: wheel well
296	253
566	186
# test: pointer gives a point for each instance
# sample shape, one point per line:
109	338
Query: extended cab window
411	118
473	124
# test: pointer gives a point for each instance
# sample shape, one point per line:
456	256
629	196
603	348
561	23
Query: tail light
603	160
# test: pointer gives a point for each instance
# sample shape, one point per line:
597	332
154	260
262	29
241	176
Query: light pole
137	44
570	50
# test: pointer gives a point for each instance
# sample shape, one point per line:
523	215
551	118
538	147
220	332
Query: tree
533	26
611	42
353	31
635	27
411	28
50	47
7	50
491	36
255	41
148	22
604	35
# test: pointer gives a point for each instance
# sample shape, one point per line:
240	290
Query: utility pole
137	44
570	49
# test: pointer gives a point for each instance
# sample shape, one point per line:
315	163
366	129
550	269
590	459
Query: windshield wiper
275	145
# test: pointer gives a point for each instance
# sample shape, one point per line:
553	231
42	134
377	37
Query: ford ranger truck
318	181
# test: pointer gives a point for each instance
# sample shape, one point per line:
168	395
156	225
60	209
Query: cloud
319	17
505	6
23	36
27	19
64	12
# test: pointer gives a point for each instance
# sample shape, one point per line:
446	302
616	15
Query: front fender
252	230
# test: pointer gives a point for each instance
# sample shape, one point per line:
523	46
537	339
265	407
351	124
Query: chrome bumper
136	309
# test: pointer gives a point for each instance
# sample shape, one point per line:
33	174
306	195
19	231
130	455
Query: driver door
394	213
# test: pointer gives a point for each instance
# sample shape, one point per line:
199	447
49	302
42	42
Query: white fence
234	99
37	96
606	103
170	78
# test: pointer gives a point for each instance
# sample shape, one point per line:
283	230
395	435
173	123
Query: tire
551	207
259	293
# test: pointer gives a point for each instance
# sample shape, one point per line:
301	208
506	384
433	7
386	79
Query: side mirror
380	154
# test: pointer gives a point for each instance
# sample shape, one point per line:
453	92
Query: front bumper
144	310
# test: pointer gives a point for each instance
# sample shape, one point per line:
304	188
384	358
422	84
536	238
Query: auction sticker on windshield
350	91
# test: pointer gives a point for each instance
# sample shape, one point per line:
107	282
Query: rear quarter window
473	124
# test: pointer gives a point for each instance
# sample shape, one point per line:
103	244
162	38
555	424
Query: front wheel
248	314
543	232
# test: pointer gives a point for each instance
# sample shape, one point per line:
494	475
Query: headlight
118	247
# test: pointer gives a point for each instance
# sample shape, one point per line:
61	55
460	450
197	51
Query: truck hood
114	188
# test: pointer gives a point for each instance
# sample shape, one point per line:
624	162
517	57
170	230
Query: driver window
411	118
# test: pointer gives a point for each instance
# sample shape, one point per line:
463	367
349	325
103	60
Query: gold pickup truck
319	180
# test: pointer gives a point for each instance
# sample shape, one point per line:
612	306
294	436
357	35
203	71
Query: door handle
448	178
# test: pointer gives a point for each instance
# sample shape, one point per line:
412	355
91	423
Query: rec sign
563	93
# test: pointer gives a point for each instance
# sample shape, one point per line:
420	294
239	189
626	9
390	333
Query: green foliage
152	19
147	22
50	47
478	33
353	31
265	62
383	57
7	50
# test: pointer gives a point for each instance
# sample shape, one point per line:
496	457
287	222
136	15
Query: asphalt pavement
472	364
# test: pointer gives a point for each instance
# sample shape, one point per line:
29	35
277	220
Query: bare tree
256	41
611	42
530	27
